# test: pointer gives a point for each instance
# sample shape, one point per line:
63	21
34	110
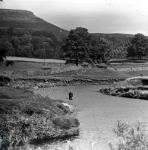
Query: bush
35	121
74	122
66	123
130	137
4	80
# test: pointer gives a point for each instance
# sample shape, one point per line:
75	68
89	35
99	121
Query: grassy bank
28	118
135	87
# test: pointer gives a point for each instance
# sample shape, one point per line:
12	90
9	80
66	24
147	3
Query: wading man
70	95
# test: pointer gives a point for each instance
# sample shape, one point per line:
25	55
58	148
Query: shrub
66	123
4	80
130	137
33	122
74	122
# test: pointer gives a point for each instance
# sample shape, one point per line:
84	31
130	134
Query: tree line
78	47
29	43
81	47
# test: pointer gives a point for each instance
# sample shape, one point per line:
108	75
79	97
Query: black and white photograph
73	75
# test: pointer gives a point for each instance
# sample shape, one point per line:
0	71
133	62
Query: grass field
32	70
93	73
19	66
28	67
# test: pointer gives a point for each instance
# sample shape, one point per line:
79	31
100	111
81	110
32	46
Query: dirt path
98	114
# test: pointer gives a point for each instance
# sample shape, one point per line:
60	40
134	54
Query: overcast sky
101	16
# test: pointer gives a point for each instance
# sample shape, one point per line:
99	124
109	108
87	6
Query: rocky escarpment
11	15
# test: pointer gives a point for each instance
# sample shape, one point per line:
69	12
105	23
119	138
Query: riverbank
135	87
35	83
34	118
41	82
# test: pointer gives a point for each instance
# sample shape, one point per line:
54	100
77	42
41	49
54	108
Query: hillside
26	19
40	31
115	39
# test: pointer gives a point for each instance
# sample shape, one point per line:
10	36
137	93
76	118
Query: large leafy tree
138	47
100	50
77	45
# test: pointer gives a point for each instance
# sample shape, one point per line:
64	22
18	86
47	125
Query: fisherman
70	95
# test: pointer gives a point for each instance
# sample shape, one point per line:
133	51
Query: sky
98	16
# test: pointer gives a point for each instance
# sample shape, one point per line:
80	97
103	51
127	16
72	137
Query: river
98	114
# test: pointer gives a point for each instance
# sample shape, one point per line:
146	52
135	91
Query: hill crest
26	19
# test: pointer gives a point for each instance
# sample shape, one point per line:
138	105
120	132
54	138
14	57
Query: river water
98	114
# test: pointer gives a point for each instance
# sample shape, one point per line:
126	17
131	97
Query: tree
138	47
76	46
10	31
5	47
40	53
2	55
100	50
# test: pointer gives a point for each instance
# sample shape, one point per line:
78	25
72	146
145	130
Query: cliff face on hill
11	15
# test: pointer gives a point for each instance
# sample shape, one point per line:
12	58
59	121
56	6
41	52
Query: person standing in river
70	95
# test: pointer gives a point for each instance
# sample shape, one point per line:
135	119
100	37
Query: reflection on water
98	114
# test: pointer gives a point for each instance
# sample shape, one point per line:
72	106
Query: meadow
51	68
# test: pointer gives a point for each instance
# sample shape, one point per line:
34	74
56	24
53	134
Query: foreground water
98	114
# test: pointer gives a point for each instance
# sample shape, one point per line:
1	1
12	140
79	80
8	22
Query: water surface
98	114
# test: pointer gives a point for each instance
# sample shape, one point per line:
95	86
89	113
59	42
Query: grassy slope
38	119
15	97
